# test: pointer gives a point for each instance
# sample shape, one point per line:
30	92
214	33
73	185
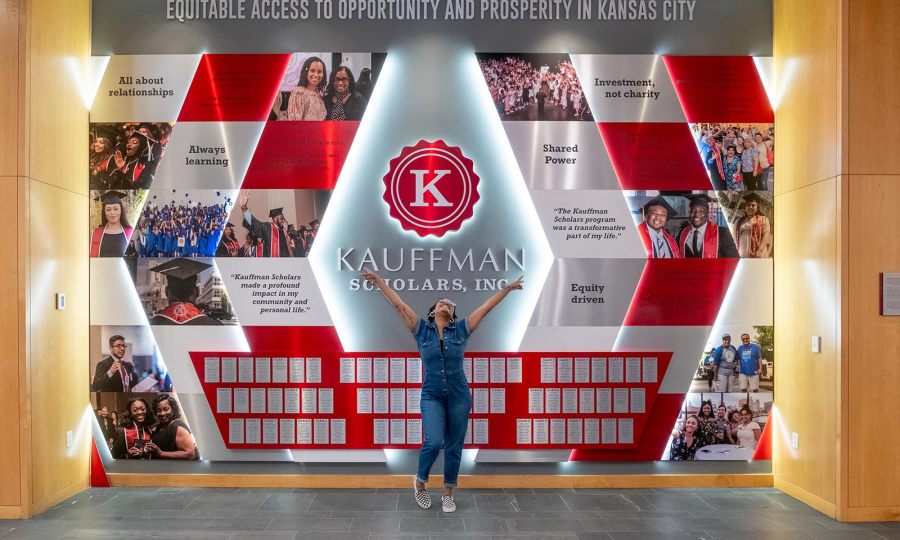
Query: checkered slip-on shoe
423	499
447	504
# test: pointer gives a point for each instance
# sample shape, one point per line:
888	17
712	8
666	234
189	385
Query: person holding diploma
441	339
133	437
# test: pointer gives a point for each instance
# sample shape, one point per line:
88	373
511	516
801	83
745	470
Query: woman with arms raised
441	338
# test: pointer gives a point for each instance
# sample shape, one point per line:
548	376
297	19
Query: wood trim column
837	194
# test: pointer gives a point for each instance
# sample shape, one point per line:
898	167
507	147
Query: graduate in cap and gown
273	233
657	240
229	246
135	168
110	239
182	291
701	238
101	157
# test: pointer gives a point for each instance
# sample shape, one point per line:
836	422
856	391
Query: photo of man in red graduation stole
701	237
658	242
273	233
182	292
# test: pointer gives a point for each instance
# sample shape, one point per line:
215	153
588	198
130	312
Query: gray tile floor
353	514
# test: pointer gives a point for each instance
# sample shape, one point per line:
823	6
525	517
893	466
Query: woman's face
229	232
101	145
748	144
734	417
739	142
745	417
730	152
138	411
443	307
758	138
315	74
706	409
752	208
132	146
113	212
164	412
341	81
690	425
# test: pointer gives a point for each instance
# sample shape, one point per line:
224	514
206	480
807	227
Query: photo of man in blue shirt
751	364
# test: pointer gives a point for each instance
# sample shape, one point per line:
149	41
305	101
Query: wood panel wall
808	262
45	58
837	190
11	299
872	479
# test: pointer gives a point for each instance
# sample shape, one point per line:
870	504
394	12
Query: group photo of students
181	223
125	155
534	87
719	426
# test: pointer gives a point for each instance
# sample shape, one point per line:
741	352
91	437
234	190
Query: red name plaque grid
532	400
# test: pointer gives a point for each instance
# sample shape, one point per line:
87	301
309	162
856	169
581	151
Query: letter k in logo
431	187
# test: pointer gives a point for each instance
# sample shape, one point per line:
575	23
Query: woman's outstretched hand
515	285
369	275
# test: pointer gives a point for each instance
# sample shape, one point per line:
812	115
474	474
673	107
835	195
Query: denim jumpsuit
446	400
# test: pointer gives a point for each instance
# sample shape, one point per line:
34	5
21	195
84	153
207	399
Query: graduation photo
181	223
274	223
183	292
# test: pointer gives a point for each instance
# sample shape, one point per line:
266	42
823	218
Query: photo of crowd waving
112	214
183	292
681	224
126	359
326	86
751	215
274	223
719	427
534	87
144	426
181	223
124	156
737	359
739	157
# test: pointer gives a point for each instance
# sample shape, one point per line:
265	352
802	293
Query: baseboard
822	505
870	513
465	482
40	506
11	512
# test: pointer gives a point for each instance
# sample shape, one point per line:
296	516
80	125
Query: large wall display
238	198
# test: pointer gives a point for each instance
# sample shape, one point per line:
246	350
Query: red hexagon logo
431	188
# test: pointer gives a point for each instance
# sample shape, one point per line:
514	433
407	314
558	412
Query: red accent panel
657	156
234	88
680	292
764	445
501	426
293	340
719	89
657	430
300	155
98	473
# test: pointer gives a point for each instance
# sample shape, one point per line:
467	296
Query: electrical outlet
816	344
795	440
60	301
69	439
